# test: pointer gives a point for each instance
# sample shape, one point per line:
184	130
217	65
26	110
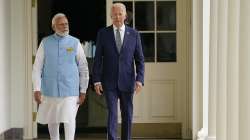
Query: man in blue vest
118	70
60	79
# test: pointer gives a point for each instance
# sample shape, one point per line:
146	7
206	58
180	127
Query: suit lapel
125	39
126	35
111	34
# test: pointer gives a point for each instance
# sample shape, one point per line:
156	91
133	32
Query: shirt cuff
97	83
83	91
138	82
36	89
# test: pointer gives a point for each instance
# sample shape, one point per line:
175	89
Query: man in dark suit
118	70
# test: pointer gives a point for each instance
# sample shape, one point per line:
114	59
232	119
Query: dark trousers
126	107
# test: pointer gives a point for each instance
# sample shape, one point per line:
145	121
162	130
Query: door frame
30	35
187	119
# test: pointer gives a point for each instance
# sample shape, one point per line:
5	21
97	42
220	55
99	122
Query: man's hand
81	98
98	89
38	97
138	87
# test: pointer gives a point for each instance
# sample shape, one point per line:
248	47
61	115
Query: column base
202	134
13	134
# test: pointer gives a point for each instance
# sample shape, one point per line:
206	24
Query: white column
221	112
21	66
229	72
233	71
244	72
224	57
17	61
213	70
28	100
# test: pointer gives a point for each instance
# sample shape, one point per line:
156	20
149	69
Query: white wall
4	65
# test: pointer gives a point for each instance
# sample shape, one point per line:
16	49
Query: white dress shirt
122	31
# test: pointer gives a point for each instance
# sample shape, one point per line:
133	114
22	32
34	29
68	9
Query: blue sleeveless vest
60	76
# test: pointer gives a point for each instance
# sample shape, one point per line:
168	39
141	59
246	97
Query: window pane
147	40
144	15
166	50
166	15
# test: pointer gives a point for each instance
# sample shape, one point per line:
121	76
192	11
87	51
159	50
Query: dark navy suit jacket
114	69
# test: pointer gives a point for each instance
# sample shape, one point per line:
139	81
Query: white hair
57	16
118	4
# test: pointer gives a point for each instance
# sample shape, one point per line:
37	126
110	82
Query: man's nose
117	16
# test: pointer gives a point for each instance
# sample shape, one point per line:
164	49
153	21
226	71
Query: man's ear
53	27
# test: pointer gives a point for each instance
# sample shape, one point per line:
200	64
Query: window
156	22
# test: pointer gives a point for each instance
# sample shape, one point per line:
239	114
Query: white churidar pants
56	110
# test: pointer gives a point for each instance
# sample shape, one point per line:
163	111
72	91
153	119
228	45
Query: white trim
213	68
108	11
34	35
183	29
202	134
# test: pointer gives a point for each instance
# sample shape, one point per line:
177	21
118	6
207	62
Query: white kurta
59	109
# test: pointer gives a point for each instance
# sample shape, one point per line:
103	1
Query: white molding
213	67
202	134
34	20
184	39
108	10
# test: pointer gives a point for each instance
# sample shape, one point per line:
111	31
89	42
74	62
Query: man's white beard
62	34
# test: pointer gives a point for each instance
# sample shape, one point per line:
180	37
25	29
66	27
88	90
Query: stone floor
87	138
100	137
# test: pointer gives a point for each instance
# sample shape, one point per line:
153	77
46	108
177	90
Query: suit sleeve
97	65
139	60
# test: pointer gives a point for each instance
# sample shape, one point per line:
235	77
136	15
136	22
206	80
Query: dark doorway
85	19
